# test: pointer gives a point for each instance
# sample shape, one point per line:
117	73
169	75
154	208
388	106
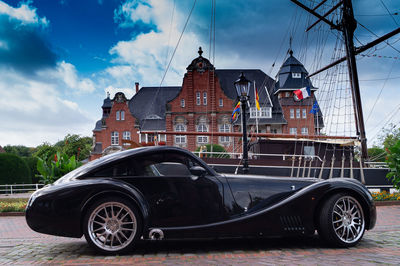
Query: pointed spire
200	51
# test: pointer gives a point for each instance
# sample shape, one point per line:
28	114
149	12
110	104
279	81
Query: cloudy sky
59	58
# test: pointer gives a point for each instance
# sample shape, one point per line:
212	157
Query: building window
287	94
180	139
224	128
122	115
293	130
126	135
296	75
117	115
202	139
264	112
298	113
304	130
114	138
198	98
204	98
304	113
292	113
221	102
182	103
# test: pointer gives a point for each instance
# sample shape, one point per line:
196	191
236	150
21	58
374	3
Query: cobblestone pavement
21	246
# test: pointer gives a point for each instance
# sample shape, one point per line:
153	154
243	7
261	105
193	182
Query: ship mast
347	26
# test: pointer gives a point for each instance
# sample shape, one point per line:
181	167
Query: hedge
13	170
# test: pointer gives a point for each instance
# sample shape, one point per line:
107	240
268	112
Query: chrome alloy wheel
112	226
348	219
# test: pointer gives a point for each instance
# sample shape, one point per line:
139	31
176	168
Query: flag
257	99
302	93
235	112
315	108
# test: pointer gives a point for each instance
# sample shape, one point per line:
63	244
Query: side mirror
198	171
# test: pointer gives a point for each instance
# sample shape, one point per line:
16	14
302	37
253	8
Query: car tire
112	225
341	221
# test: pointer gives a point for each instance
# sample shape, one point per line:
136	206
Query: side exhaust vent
156	234
292	223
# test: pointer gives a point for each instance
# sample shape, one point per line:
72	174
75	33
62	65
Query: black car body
169	193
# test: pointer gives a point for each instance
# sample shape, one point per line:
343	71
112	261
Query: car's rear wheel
341	221
112	225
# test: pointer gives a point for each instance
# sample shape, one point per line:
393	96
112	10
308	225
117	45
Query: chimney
137	86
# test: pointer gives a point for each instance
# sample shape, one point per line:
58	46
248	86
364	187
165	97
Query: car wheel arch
340	190
134	199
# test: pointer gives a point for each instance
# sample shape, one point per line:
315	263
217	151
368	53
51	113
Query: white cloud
146	54
129	92
131	12
67	72
25	13
34	111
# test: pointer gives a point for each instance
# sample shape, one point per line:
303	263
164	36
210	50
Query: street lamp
242	86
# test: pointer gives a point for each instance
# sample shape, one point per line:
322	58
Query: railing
251	155
19	188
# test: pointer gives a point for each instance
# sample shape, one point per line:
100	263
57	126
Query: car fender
118	188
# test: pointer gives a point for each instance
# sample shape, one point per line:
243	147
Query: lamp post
242	86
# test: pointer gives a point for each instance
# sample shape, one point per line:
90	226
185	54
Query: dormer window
296	75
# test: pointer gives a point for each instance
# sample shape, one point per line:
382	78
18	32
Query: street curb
387	203
12	214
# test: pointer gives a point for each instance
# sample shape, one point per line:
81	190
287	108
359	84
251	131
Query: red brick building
204	103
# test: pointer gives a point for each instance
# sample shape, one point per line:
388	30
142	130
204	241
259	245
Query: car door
176	196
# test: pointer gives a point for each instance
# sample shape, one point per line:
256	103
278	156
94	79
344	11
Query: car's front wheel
341	220
112	225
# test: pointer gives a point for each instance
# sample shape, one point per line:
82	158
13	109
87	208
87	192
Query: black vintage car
168	193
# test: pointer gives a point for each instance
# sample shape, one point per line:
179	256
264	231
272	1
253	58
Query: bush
53	170
13	170
32	165
215	148
393	161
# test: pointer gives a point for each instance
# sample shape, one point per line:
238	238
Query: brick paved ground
19	245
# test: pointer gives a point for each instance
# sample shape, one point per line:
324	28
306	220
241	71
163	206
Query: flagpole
255	103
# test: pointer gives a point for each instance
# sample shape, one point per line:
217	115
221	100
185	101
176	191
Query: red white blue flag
302	93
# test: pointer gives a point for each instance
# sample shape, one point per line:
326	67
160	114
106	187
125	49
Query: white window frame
224	128
182	103
204	98
122	115
126	135
292	113
298	113
264	112
117	115
293	130
180	139
296	75
221	102
198	100
202	128
114	138
304	113
304	131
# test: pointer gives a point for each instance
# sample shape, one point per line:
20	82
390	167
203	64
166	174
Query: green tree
390	136
75	145
215	148
393	161
45	151
19	150
376	154
13	170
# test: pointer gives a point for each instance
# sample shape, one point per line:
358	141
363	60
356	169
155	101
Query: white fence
19	188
